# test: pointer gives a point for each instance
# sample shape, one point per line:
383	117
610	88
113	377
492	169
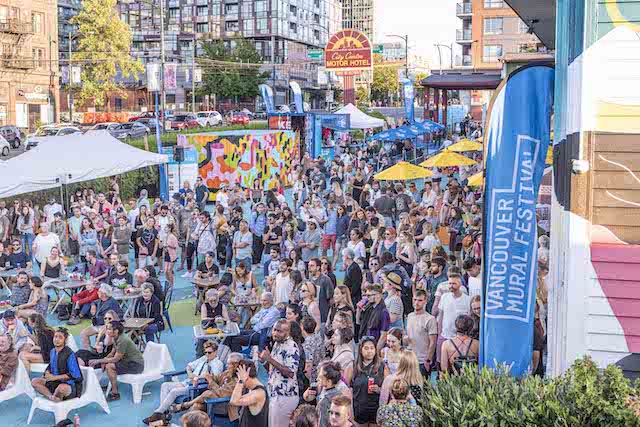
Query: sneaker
186	275
75	320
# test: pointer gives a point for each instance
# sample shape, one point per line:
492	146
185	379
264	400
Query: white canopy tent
70	159
360	120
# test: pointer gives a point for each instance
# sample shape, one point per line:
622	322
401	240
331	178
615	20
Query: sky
425	22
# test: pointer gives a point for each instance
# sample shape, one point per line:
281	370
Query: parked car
127	131
149	115
283	109
12	134
5	147
152	124
183	121
108	126
46	131
260	115
248	113
209	118
238	118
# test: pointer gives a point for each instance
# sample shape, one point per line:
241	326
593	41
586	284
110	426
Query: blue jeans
27	243
246	261
149	332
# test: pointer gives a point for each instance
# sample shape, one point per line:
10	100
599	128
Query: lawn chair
39	368
219	420
157	361
168	296
91	393
20	383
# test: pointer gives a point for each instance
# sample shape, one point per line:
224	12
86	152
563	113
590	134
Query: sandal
177	408
111	397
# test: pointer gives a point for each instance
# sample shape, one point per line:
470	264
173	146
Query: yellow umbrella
549	155
475	180
465	145
447	158
481	139
403	171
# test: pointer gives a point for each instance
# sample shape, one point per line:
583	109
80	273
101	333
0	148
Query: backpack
461	360
64	311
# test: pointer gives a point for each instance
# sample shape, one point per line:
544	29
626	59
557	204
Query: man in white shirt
51	208
452	304
222	197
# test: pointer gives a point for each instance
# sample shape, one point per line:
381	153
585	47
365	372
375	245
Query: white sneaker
185	275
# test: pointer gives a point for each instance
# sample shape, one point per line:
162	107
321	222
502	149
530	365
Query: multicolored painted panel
239	157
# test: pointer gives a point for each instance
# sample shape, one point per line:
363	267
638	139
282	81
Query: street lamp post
406	51
450	47
326	71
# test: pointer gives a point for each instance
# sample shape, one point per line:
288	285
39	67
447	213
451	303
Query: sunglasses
108	318
368	338
324	263
16	245
208	352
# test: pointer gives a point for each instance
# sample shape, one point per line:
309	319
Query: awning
462	81
540	16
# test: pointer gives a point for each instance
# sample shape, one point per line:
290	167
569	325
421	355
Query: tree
385	78
225	74
362	95
104	43
418	88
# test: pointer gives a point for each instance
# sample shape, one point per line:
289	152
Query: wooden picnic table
135	328
231	329
251	305
125	300
64	287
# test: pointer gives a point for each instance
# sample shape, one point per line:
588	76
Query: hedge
584	396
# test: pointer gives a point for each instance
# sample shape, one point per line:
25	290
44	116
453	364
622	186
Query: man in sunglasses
18	257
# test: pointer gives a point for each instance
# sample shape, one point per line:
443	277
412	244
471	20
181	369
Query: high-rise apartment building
282	31
491	29
359	15
29	89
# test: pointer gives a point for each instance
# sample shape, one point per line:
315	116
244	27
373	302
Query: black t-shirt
19	260
384	205
120	280
4	259
274	234
147	238
403	203
207	270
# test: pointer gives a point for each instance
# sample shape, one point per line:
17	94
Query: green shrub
584	396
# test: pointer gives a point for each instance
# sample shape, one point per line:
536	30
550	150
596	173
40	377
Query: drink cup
370	383
1	304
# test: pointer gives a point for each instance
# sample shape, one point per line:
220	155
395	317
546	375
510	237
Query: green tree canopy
103	51
385	78
224	73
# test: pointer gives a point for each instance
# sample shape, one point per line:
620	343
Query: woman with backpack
461	349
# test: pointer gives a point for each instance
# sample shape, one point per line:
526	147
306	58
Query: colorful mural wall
239	157
595	255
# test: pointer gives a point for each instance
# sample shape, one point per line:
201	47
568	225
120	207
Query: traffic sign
315	53
378	49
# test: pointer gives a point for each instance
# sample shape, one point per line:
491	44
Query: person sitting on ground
62	379
399	412
104	343
8	360
17	330
43	337
196	371
38	301
125	358
219	386
148	306
195	419
255	403
99	309
82	302
19	258
53	266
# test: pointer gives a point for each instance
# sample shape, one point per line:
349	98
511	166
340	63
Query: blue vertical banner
408	92
297	96
267	96
519	125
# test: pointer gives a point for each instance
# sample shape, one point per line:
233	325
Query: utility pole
162	117
70	82
193	76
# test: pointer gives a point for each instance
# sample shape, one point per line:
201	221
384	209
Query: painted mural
239	157
596	214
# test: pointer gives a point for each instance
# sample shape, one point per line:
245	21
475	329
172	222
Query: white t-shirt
475	286
50	210
223	199
452	308
44	245
246	252
283	289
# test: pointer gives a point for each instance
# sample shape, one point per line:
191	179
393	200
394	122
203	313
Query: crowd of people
368	290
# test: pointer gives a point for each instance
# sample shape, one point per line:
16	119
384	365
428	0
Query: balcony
463	9
463	61
463	36
16	26
18	62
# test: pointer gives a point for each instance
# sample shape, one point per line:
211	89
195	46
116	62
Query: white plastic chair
157	360
91	393
39	368
20	383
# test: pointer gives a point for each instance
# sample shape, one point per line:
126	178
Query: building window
202	27
522	27
118	102
173	12
202	10
38	58
493	4
316	18
293	27
36	20
141	102
293	9
231	9
492	26
232	26
491	53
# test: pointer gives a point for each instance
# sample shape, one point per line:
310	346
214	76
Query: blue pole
164	190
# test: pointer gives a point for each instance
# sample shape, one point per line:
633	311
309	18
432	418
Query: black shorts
123	367
74	247
167	257
436	179
53	385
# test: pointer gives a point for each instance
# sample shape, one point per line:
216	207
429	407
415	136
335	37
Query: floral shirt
399	415
314	351
286	353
